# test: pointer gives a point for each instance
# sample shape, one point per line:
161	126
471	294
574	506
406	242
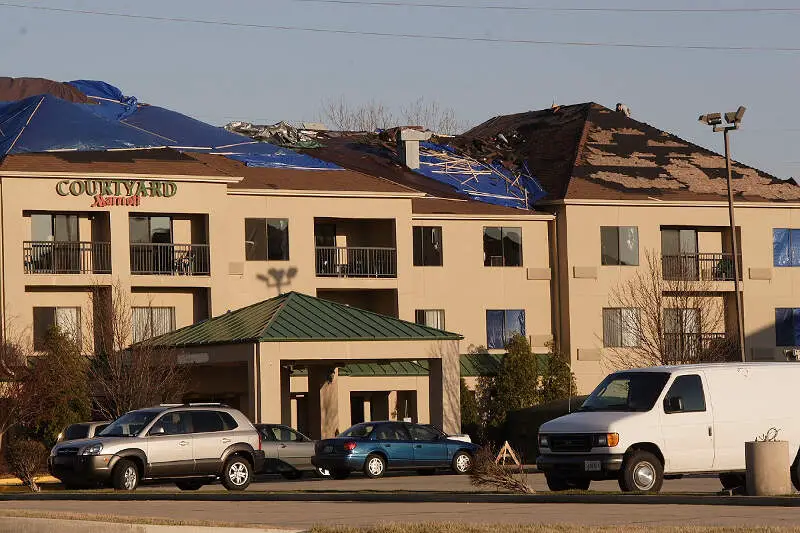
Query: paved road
440	482
306	514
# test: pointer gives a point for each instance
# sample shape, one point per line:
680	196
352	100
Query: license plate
327	449
591	466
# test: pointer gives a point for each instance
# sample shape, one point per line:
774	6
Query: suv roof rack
205	404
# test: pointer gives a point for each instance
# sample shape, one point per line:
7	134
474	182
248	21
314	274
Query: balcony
54	257
356	262
699	347
167	259
699	267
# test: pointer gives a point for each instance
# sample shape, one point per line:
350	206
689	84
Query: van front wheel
641	472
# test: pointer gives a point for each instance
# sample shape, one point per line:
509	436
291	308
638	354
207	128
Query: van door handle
709	431
183	443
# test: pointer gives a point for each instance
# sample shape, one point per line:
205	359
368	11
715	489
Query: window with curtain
785	247
266	239
66	319
501	325
502	246
433	318
427	245
787	326
148	322
619	245
620	327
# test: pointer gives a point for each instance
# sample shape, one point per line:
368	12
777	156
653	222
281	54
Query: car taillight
350	445
259	440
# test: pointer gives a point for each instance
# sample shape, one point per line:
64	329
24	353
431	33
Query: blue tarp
46	123
113	121
491	183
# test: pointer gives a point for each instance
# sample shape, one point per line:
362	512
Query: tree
470	416
16	407
515	386
127	377
668	319
371	116
557	382
25	459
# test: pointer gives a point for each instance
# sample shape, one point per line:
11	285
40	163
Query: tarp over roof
112	120
298	317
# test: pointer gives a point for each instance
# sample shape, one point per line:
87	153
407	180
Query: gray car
82	430
287	451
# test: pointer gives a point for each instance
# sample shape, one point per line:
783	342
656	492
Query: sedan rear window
359	430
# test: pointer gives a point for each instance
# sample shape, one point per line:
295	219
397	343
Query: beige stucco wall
590	285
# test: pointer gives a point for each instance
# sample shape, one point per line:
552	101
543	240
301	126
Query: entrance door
687	426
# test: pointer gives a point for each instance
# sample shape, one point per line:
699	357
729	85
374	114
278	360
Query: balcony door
679	253
56	243
682	333
152	251
328	257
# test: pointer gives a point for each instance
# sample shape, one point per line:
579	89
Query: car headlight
53	451
94	449
608	440
544	442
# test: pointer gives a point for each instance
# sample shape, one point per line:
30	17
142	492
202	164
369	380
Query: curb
14	482
420	497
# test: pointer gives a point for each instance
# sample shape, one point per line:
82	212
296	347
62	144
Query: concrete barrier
767	464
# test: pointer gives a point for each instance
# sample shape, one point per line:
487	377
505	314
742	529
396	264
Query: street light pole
732	122
737	268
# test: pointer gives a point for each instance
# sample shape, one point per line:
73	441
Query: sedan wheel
374	466
462	463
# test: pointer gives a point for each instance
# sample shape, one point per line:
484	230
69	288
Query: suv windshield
129	424
626	391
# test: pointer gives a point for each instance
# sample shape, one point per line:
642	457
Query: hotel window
427	246
266	239
787	326
433	318
785	247
620	327
501	325
66	319
619	245
502	246
148	322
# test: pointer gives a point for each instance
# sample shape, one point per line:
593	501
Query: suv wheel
125	475
237	473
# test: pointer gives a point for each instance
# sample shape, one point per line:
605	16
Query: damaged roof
587	151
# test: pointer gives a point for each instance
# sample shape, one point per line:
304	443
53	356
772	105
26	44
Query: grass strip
116	519
447	527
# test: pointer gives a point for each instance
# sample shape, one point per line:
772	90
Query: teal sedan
375	447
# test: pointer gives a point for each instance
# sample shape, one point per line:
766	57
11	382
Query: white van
640	426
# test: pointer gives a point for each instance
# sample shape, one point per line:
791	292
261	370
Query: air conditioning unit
792	354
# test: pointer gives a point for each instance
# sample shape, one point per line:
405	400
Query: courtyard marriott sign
116	192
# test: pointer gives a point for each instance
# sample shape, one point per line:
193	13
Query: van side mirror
673	404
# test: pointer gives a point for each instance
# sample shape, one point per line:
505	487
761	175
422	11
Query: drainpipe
2	264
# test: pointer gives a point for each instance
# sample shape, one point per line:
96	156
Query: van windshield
626	391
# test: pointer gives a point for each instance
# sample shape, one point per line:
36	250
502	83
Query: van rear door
687	425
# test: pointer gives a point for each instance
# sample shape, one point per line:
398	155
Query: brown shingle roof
294	179
587	151
160	162
441	206
20	88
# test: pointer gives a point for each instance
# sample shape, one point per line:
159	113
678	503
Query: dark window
76	431
786	247
427	246
175	423
285	434
324	234
619	245
206	422
690	390
502	246
66	319
392	432
277	239
620	327
423	433
501	325
228	421
266	433
266	239
787	326
626	391
59	228
149	230
433	318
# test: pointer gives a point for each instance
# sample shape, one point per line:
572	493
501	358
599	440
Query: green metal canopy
298	317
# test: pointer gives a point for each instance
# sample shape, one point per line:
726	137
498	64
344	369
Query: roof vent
624	109
408	139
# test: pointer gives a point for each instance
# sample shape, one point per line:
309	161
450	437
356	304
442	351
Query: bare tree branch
339	114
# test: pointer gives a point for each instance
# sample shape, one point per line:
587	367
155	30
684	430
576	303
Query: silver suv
192	444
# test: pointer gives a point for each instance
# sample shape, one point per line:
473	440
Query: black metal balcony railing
168	259
61	257
696	267
694	347
356	262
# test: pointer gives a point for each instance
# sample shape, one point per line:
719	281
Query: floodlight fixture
735	117
712	119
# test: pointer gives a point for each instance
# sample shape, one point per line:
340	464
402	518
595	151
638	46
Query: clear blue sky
219	74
